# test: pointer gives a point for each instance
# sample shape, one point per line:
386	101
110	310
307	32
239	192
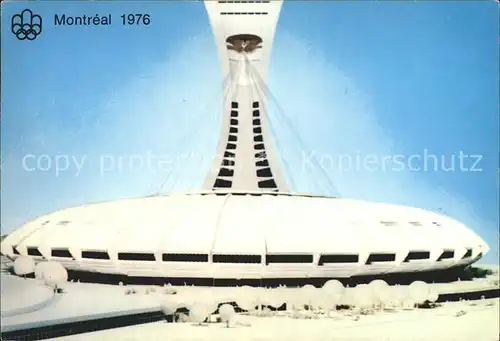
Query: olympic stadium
245	223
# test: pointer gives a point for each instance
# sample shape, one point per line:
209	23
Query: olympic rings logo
26	25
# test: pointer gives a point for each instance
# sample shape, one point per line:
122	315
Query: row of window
233	129
229	153
252	259
261	155
259	145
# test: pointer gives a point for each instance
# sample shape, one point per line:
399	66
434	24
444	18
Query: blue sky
375	79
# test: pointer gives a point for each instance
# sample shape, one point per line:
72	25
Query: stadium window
447	254
338	259
417	255
95	255
33	251
61	253
289	259
381	257
235	259
178	257
136	256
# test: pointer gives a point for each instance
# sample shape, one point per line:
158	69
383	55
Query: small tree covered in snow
227	314
307	293
40	269
198	313
246	303
332	291
401	294
209	300
386	296
334	287
380	290
433	296
294	303
169	307
23	266
55	275
419	291
273	298
169	290
363	297
246	298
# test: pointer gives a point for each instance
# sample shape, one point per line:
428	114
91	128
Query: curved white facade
238	236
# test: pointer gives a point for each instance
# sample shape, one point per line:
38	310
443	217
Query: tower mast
245	160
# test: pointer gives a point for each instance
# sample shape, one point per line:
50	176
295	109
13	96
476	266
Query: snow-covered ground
22	295
480	322
82	301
